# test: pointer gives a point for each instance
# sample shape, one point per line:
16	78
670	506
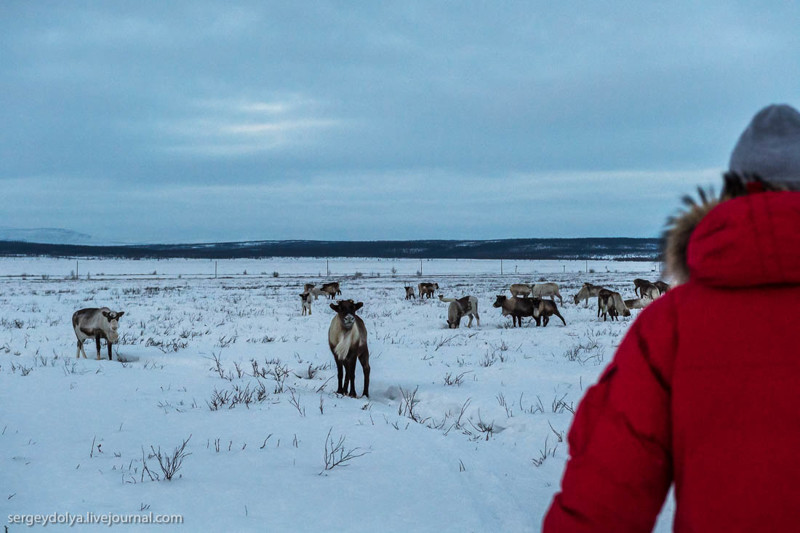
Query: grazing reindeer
638	303
516	307
305	299
410	293
649	291
638	283
543	310
427	289
587	291
662	286
331	289
308	287
468	305
520	289
540	290
347	339
611	303
99	323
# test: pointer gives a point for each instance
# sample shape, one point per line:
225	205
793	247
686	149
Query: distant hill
584	248
46	235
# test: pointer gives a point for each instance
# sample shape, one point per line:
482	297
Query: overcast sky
223	121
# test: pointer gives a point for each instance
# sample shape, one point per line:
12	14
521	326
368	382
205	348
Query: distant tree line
584	248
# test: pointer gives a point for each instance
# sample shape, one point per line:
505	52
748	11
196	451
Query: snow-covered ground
464	429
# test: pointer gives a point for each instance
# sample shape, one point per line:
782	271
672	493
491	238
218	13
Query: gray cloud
192	106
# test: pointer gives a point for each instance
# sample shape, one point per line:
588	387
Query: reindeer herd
347	334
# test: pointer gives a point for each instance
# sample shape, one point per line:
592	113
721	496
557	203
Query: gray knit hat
770	146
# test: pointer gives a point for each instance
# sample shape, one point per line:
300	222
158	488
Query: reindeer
317	292
520	289
543	310
99	323
347	339
637	284
649	291
516	307
611	303
331	289
662	286
540	290
410	293
305	299
468	305
587	291
638	303
427	289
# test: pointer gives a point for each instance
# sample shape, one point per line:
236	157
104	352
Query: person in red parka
704	390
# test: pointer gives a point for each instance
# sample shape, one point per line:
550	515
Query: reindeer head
499	301
346	309
113	318
113	322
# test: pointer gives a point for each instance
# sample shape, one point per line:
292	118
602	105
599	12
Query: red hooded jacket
704	391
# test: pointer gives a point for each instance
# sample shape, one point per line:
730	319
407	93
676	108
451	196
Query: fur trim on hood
679	231
681	226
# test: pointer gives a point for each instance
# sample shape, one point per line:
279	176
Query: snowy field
464	429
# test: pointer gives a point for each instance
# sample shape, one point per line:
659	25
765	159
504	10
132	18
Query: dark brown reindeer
410	293
516	307
96	323
347	339
427	289
543	310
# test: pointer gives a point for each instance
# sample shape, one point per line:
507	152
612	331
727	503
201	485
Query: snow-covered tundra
224	388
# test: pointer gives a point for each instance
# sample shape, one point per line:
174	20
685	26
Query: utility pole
501	267
215	269
420	266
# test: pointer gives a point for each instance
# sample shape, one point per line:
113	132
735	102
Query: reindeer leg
364	360
97	340
80	347
339	372
350	376
108	343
